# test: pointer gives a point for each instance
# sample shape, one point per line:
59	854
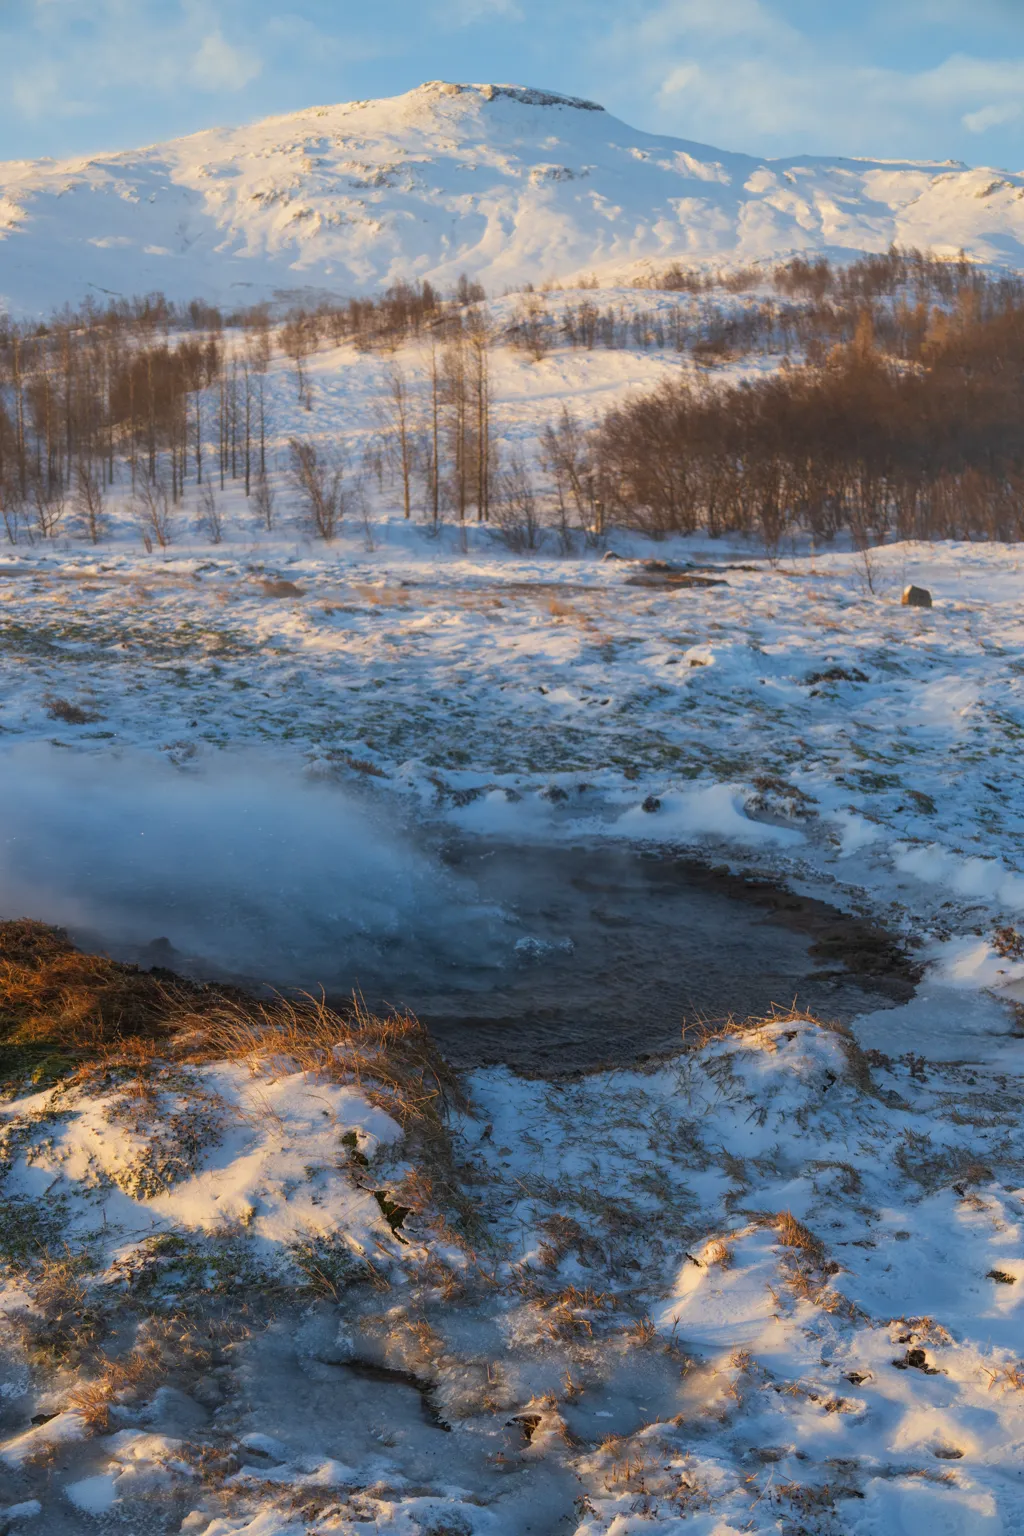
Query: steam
241	864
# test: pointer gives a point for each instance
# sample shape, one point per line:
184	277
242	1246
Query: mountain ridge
508	183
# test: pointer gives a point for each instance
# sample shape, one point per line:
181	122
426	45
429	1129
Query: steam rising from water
240	863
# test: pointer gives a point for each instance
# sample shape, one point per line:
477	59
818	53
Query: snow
506	184
633	1289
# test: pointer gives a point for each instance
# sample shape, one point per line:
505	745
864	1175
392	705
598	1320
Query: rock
554	793
837	675
610	554
916	597
208	1391
651	804
281	589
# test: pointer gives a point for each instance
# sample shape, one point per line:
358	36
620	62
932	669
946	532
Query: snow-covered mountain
504	183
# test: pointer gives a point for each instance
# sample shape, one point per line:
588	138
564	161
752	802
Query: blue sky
928	78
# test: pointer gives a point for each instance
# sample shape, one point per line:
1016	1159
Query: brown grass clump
793	1234
169	1348
70	714
392	1060
53	995
62	1326
118	1380
720	1252
1008	1377
384	597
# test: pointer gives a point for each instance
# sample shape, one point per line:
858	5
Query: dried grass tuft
393	1060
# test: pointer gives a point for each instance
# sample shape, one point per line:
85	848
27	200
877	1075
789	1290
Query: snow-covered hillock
507	184
772	1285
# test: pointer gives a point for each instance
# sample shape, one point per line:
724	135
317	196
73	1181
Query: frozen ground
771	1285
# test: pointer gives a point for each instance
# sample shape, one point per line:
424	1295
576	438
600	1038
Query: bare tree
49	505
456	398
263	500
10	509
209	517
480	385
396	412
319	482
435	431
566	455
153	508
299	339
89	499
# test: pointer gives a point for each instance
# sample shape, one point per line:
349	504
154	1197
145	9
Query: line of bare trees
137	393
860	441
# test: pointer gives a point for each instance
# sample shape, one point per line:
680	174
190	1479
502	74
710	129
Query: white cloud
219	66
991	117
715	21
737	74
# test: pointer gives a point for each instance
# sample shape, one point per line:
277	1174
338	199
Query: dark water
608	953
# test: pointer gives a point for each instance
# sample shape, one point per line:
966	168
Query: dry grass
167	1348
1008	1377
383	597
719	1252
793	1234
98	1010
118	1381
68	713
565	1314
62	1325
393	1060
643	1332
52	995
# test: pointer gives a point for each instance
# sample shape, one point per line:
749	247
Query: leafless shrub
531	328
319	481
517	515
89	500
263	501
153	509
70	714
208	514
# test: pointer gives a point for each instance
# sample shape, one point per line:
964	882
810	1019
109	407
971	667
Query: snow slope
504	183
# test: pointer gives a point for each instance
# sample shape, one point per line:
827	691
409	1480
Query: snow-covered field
771	1285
